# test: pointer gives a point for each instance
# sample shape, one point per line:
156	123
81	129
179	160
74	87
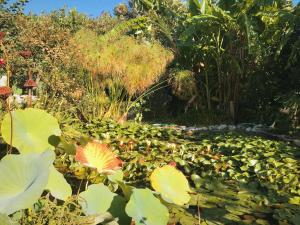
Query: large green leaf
23	179
57	185
97	199
5	220
32	129
116	213
117	210
171	184
146	209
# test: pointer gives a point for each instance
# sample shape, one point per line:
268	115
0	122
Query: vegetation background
168	61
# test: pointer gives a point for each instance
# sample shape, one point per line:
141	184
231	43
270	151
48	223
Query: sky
90	7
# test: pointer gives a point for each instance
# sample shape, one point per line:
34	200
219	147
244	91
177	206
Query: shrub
133	63
184	84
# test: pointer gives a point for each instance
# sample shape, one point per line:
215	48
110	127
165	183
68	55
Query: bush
134	64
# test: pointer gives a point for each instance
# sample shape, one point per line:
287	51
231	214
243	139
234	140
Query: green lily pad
97	199
23	180
32	129
57	185
171	184
145	209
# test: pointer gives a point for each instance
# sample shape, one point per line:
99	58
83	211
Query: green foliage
228	57
252	175
23	180
47	211
96	199
13	6
26	137
99	200
144	208
184	84
28	175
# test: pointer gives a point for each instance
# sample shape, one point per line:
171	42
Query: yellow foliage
184	84
134	64
42	36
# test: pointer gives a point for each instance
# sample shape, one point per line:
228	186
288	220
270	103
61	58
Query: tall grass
134	64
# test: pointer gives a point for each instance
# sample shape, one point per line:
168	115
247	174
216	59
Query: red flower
2	62
174	164
5	92
2	35
26	54
30	83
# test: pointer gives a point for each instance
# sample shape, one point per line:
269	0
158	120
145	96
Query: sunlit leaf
295	200
146	209
98	156
97	199
57	185
23	179
5	220
32	130
171	184
116	177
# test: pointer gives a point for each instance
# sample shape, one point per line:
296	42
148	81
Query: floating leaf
145	209
99	156
58	185
32	129
23	179
171	184
97	199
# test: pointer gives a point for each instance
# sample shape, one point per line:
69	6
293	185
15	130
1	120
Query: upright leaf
32	129
57	185
97	199
23	180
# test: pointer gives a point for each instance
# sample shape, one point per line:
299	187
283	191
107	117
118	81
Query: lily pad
146	209
23	180
57	185
32	129
171	184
